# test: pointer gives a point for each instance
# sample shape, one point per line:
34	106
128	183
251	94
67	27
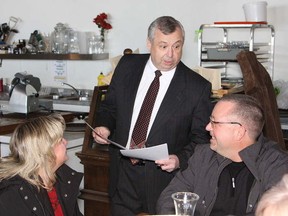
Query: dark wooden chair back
98	95
258	83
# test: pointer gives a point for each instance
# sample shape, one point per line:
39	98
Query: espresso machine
24	96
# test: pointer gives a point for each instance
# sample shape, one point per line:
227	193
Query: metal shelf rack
264	50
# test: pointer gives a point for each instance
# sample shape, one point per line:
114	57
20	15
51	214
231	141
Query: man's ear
148	44
241	132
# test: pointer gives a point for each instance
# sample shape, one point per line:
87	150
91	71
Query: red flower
101	22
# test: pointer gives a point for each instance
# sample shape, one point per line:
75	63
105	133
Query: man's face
224	130
166	50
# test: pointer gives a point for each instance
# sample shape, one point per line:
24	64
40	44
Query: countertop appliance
23	96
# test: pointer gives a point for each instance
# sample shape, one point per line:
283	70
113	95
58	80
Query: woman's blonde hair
274	202
31	149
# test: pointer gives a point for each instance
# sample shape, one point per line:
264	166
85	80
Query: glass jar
95	44
100	44
60	39
73	46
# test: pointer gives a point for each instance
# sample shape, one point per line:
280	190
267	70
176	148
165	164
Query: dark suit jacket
180	121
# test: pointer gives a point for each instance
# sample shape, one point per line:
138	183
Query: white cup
255	11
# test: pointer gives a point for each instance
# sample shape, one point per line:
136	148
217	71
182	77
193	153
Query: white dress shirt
147	78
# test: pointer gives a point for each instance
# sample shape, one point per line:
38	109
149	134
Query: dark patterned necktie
140	129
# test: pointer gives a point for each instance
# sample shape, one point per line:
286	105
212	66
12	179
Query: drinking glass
185	203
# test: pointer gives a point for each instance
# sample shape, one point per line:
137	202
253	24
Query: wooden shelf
52	56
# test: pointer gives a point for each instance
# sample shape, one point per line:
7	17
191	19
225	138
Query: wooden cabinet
95	159
95	192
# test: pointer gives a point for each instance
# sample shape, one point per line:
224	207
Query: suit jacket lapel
133	79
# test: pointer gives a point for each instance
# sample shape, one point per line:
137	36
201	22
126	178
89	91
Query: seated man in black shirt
233	172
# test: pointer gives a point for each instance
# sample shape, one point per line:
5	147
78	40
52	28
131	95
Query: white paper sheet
151	153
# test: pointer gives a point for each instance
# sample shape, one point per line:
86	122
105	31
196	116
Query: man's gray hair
166	24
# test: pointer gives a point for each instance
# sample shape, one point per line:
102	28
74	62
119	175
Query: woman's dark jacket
18	197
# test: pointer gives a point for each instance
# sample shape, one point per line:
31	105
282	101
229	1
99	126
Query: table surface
8	122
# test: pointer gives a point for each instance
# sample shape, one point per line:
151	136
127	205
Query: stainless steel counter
72	104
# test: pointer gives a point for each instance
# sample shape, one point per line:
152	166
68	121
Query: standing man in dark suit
179	116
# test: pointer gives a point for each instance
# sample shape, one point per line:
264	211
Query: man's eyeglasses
218	122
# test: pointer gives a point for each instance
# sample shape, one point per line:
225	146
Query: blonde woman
34	179
275	201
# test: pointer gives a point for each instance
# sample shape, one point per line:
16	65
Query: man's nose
208	126
170	52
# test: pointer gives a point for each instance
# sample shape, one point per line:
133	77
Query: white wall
130	20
